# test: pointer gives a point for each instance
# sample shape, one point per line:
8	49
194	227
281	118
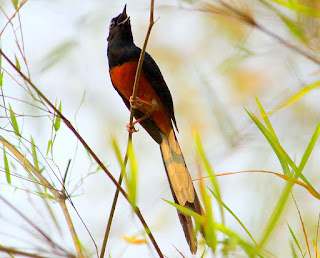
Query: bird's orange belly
123	77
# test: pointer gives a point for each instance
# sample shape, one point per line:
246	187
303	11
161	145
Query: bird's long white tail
181	184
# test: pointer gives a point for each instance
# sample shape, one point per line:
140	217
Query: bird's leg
137	102
131	128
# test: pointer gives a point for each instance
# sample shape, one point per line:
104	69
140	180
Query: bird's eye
112	23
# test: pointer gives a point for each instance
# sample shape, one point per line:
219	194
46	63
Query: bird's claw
131	128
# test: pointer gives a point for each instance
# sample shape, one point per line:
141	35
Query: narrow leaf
15	4
234	215
284	164
294	254
295	239
14	122
34	155
132	176
49	146
17	64
297	96
1	78
209	169
6	166
294	29
57	122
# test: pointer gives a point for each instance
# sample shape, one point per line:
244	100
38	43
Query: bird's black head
120	27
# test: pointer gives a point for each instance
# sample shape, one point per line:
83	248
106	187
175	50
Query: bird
153	109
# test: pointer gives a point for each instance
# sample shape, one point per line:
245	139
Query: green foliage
209	170
14	122
49	146
17	63
295	240
285	161
131	176
34	155
298	7
57	121
6	166
15	4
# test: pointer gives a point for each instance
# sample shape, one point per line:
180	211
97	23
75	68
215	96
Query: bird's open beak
123	16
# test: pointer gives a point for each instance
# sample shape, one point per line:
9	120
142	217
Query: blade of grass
250	250
298	173
297	7
296	97
34	154
14	122
57	122
273	141
131	178
6	166
235	216
294	254
282	154
295	240
208	168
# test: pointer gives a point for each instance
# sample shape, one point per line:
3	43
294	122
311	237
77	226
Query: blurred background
214	64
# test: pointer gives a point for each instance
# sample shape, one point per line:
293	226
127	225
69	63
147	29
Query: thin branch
302	224
46	237
11	251
86	146
134	95
59	197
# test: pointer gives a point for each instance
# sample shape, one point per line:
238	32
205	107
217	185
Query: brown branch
11	251
134	95
86	146
302	224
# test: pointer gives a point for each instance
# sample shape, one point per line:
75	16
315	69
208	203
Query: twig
134	95
17	252
302	224
86	146
57	194
46	237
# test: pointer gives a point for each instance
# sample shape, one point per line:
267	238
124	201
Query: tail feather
181	185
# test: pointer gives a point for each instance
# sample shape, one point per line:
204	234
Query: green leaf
209	170
14	122
34	155
294	254
49	146
297	96
1	78
281	153
6	166
309	149
131	178
295	240
17	64
297	7
57	122
284	164
15	4
0	59
295	30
